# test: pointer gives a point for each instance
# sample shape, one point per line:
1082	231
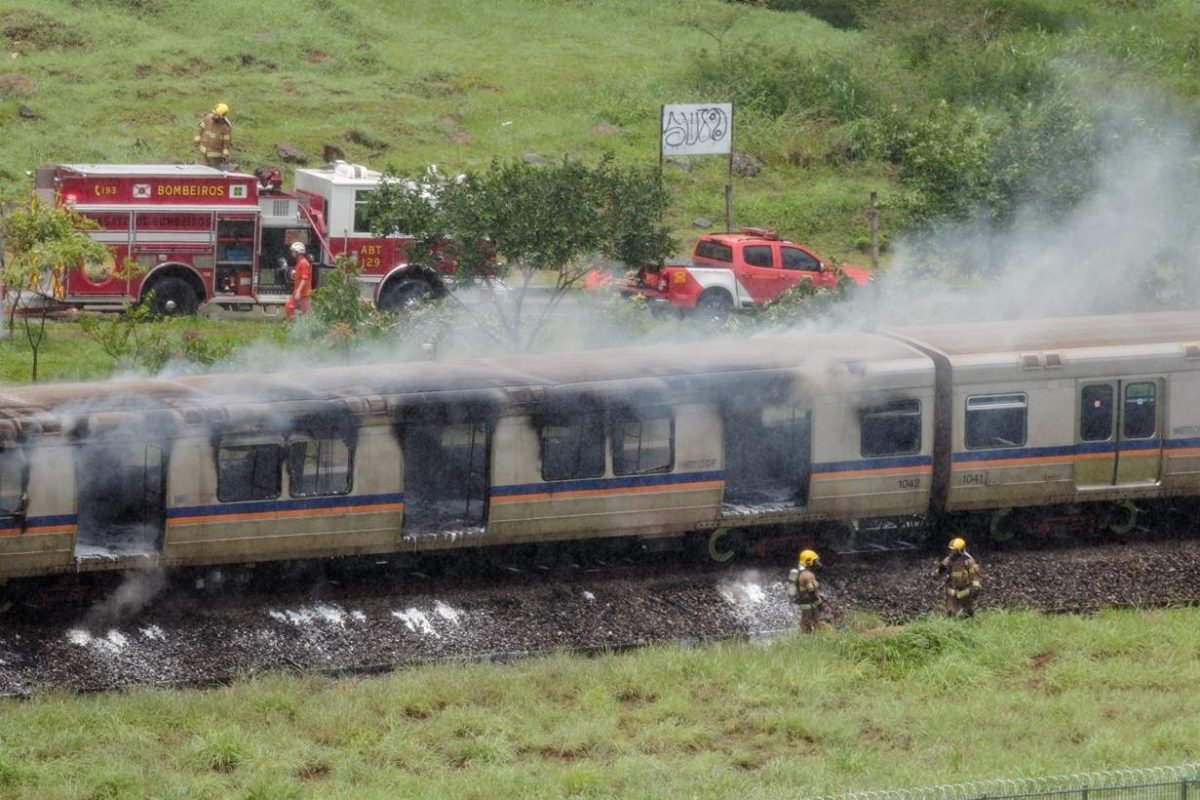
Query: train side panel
1181	467
292	511
671	484
1035	467
872	443
39	537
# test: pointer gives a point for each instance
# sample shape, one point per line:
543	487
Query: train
993	427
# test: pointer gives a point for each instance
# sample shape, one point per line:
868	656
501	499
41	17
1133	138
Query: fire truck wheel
173	298
714	305
404	294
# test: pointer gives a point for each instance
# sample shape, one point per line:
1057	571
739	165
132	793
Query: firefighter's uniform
301	285
962	575
214	137
805	591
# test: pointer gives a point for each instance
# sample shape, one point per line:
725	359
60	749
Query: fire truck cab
193	234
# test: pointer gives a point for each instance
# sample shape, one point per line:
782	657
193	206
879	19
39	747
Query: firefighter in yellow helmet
214	137
962	575
805	591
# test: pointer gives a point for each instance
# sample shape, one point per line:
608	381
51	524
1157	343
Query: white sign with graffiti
696	129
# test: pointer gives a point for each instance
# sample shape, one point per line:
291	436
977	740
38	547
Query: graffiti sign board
694	129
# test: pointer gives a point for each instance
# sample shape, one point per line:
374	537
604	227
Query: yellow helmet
220	109
958	544
808	558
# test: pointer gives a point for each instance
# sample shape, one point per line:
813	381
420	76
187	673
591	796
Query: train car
636	442
1066	422
1012	423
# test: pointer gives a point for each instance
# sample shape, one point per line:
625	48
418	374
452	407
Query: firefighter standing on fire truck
962	579
214	137
301	284
805	591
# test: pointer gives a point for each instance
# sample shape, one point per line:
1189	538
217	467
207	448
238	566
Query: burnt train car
999	424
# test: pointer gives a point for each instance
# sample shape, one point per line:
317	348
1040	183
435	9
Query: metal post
1183	787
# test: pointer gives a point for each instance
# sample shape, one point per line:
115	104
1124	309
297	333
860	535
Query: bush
822	85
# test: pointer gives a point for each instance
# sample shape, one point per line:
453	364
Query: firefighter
301	284
962	575
805	591
214	137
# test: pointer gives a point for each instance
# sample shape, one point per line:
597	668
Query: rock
534	158
702	222
290	154
28	113
746	165
331	153
358	137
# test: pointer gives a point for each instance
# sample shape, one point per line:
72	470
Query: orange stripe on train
624	490
292	514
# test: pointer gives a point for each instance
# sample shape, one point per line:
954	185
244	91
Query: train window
1140	415
1096	413
643	442
891	429
318	467
997	420
13	470
573	447
248	472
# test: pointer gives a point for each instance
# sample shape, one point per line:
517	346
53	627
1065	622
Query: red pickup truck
737	270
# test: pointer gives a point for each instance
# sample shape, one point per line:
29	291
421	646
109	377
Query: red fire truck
199	235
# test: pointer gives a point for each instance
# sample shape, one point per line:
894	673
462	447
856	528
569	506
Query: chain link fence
1154	783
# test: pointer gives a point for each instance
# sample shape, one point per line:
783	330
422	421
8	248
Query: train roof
1176	333
669	369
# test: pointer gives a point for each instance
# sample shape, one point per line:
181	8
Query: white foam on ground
742	594
446	612
154	632
416	621
111	643
321	613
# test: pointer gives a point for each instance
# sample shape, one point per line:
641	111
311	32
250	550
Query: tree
517	222
42	244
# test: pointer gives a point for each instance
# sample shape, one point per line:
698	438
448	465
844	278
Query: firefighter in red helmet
301	284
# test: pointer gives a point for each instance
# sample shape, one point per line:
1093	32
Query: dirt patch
606	129
29	31
14	84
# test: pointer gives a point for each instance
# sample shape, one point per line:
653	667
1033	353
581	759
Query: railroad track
360	620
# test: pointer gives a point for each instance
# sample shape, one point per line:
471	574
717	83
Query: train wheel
1003	526
723	544
1122	519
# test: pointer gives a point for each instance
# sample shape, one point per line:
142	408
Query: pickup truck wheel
173	297
714	306
404	294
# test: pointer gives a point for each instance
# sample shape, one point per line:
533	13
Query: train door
446	475
768	453
1118	436
121	491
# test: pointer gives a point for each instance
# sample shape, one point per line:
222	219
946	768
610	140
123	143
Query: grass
1011	695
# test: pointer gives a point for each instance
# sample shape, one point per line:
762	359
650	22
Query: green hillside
949	109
